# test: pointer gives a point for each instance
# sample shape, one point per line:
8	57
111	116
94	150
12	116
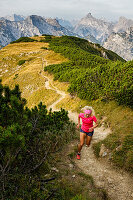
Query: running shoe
78	156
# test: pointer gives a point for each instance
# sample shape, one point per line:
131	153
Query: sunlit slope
23	63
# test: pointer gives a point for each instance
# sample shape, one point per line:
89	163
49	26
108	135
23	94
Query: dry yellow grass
53	58
119	118
47	97
28	75
38	38
72	103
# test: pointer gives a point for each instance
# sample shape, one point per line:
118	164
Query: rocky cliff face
114	36
32	25
122	25
121	43
10	30
65	23
92	27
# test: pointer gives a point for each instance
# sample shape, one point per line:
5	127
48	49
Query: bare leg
82	139
88	140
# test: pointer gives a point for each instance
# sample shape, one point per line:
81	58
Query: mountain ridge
32	25
93	29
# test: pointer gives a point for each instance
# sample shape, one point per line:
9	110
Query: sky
69	9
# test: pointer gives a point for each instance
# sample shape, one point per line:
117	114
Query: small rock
54	169
103	151
109	180
47	175
121	178
110	156
118	148
104	154
73	176
71	165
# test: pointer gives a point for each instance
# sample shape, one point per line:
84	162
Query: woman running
87	129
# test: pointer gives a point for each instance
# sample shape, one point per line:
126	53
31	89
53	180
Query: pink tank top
87	122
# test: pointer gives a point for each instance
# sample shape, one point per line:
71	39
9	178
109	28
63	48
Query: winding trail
117	183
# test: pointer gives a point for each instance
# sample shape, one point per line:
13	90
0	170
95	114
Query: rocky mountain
65	23
122	25
15	17
32	25
113	36
89	26
121	43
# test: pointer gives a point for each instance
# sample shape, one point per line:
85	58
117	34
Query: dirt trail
118	184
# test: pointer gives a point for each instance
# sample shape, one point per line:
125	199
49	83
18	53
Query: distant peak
89	15
122	18
35	17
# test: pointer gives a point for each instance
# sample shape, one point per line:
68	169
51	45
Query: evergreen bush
27	140
23	39
21	62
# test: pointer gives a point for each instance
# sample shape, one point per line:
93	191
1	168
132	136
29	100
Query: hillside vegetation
98	81
91	76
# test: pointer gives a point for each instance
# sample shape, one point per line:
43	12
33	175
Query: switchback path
118	184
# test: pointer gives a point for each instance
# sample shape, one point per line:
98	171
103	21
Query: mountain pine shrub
27	140
23	39
91	76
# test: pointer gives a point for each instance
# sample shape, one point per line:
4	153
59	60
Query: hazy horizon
70	9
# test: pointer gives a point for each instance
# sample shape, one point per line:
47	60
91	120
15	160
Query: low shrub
21	62
44	48
23	39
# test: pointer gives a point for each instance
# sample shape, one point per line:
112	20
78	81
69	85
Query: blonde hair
88	108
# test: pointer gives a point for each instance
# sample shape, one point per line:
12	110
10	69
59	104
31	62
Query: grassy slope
28	75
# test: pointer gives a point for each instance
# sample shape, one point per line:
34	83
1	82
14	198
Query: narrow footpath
118	184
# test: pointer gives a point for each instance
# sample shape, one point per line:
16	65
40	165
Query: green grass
119	119
87	177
